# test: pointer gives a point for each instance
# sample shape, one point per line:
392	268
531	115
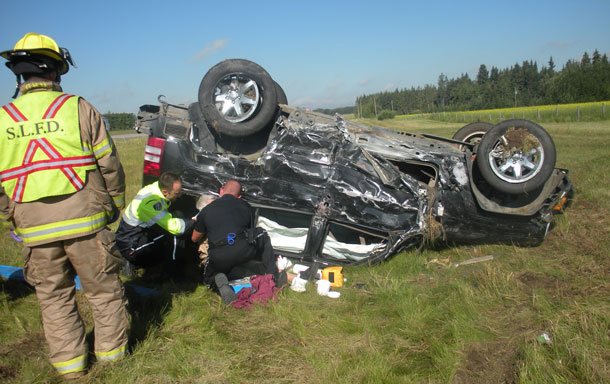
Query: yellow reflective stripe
119	201
62	228
74	365
111	355
4	223
102	149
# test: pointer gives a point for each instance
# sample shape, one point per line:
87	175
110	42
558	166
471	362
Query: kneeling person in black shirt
226	222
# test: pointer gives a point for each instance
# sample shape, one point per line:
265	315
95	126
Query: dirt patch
553	285
32	347
559	288
496	360
7	372
487	363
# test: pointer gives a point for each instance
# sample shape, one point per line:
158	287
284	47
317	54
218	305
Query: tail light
153	155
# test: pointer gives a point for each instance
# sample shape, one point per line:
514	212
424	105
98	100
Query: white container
298	268
298	284
323	287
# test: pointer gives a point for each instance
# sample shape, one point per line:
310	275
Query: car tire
516	156
281	95
237	98
473	132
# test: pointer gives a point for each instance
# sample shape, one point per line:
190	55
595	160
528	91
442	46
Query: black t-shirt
227	214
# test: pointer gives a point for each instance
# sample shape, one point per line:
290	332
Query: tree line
520	85
120	121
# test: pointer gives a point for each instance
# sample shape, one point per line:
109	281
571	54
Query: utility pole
515	97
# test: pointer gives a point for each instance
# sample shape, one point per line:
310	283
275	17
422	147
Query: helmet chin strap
17	86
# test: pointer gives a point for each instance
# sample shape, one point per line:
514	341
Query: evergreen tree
597	58
483	75
441	99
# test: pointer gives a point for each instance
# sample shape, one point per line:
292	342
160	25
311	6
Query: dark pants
151	249
153	246
241	259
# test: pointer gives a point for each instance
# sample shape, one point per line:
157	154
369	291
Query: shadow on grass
15	289
161	283
149	295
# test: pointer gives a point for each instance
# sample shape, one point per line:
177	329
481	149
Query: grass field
577	112
412	319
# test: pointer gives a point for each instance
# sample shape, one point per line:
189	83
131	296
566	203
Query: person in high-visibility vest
148	233
61	183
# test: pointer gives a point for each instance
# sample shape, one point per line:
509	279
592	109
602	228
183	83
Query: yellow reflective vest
51	186
150	207
42	153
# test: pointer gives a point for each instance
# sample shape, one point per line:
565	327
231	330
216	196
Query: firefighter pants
50	268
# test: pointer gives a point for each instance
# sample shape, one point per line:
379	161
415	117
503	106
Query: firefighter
61	183
149	234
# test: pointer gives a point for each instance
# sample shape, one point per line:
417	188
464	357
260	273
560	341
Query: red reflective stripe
56	106
51	112
19	188
55	161
47	148
29	152
64	162
42	165
14	113
76	181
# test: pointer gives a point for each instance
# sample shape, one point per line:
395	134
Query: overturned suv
333	191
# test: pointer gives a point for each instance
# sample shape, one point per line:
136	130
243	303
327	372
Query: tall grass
577	112
412	319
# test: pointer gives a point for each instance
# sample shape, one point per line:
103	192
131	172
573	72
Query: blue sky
322	53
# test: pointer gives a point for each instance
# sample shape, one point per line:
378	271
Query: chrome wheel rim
237	97
517	160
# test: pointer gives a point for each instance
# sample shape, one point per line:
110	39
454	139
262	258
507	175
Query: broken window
287	230
345	243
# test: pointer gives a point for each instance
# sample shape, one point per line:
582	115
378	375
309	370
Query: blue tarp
16	273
